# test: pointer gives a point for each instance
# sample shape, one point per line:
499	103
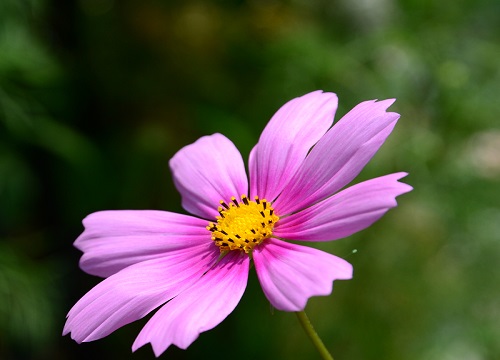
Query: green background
97	95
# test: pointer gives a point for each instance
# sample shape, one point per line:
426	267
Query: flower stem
313	335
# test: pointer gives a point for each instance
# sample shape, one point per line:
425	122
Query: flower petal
199	308
207	171
135	291
113	240
345	213
286	140
290	274
339	156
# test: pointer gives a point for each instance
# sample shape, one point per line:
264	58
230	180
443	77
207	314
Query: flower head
195	268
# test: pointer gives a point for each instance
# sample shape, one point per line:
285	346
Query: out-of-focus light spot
394	57
485	225
453	74
197	30
459	349
197	24
483	153
271	17
370	14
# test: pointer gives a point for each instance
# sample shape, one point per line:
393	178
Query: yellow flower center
243	225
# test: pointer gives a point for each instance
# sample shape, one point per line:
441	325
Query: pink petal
345	213
135	291
113	240
207	171
199	308
290	274
286	140
339	156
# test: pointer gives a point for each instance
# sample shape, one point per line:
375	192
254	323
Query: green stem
313	335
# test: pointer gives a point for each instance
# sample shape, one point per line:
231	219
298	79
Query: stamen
242	225
224	204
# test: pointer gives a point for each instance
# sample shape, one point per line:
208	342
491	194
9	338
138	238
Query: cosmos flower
195	268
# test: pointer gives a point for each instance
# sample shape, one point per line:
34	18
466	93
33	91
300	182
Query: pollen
242	225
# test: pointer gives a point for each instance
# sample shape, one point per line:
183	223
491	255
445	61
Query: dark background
97	95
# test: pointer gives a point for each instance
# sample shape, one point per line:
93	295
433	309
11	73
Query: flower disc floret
243	225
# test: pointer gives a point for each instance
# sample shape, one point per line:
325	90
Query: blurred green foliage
97	95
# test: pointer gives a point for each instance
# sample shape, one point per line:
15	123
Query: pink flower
196	268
